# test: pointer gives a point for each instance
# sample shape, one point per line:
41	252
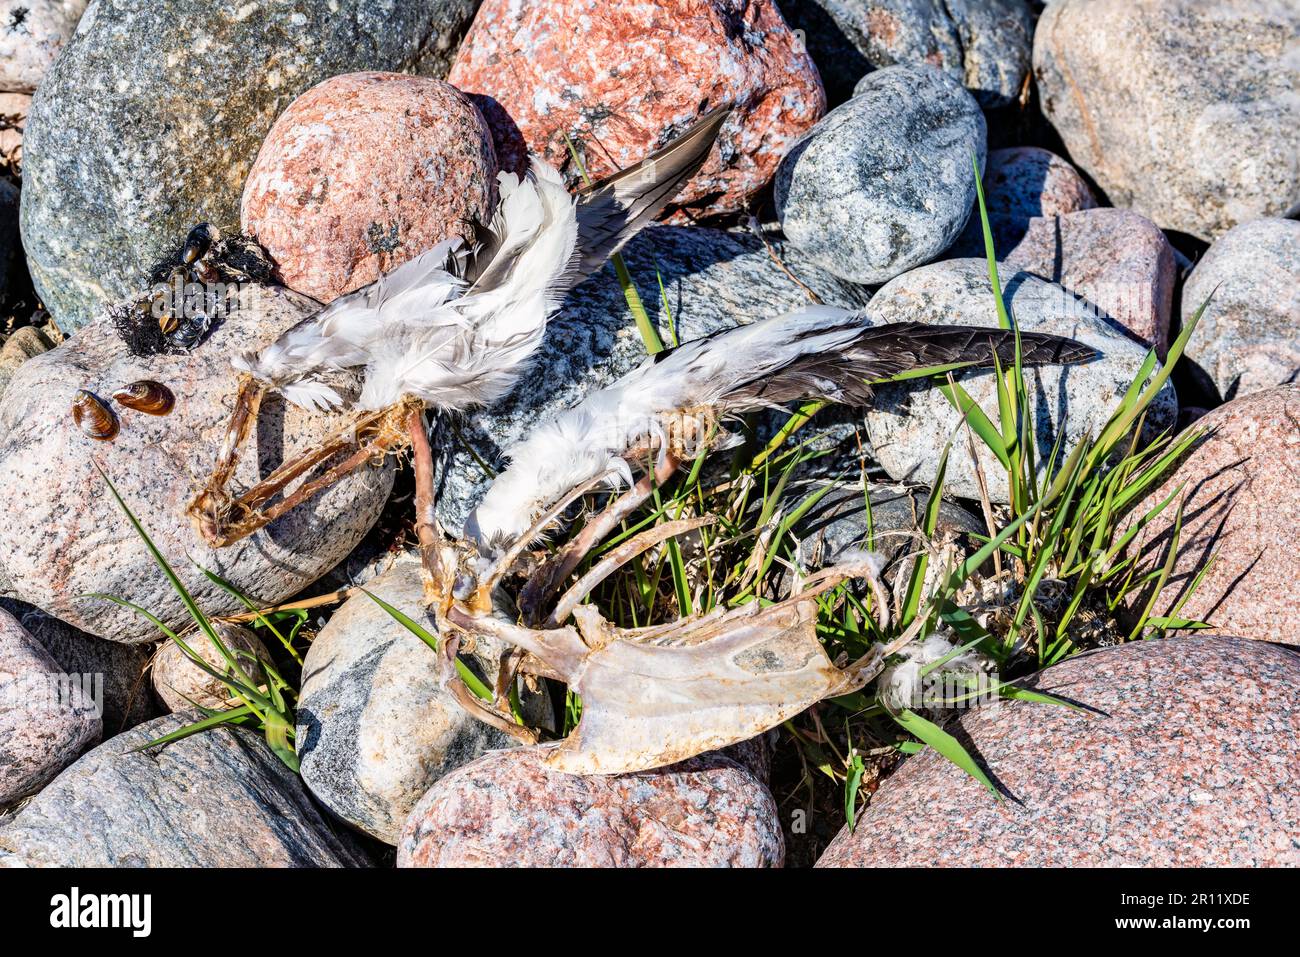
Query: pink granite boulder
1241	499
1118	261
621	80
32	32
46	719
363	172
1021	184
508	809
1186	756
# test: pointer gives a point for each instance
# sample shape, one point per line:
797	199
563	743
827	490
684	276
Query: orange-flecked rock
364	172
508	809
622	79
1241	495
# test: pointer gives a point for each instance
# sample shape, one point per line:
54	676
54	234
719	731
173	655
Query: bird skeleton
453	329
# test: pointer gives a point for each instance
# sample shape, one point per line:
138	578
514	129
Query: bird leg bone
223	518
654	696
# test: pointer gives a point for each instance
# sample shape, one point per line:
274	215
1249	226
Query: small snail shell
147	396
93	416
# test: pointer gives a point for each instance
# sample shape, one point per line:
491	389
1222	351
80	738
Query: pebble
1249	337
1186	757
620	80
364	172
1241	496
910	423
884	182
219	798
1183	110
508	809
181	684
45	721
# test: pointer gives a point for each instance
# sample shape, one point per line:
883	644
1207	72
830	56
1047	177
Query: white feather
583	442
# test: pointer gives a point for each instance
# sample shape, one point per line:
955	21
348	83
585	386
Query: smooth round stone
181	684
1240	495
63	536
712	280
45	720
220	798
1184	110
984	44
32	32
1117	261
1186	756
910	423
1249	337
364	172
149	120
126	700
376	729
1020	185
619	80
884	182
508	809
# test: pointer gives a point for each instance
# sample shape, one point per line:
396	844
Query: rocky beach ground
1139	161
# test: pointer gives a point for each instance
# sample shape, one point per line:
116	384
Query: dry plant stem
330	598
616	559
551	575
223	519
428	534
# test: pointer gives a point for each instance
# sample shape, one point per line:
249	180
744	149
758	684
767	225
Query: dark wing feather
615	209
850	374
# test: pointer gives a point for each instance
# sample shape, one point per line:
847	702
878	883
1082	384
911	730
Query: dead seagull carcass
453	329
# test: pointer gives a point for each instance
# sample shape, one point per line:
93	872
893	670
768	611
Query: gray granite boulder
149	121
507	809
909	423
126	699
376	729
32	32
1249	337
983	44
62	535
1020	185
884	182
1184	110
220	798
1117	261
1186	757
46	718
712	280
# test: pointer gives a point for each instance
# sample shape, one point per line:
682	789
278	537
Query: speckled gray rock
713	280
1189	760
1021	184
62	535
1184	110
126	698
150	119
884	182
32	32
45	721
984	44
1241	496
909	423
216	799
375	727
181	684
1118	261
1249	337
508	809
